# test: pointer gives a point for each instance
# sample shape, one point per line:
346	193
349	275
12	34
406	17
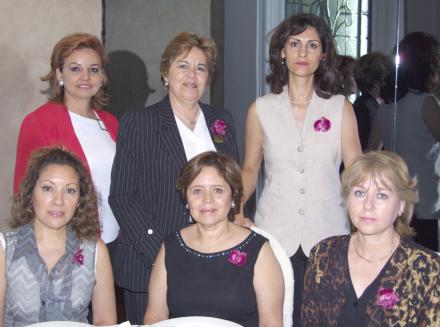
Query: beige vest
301	202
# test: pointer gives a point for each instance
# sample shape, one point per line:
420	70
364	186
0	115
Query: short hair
370	71
419	54
61	51
325	75
182	43
85	223
227	167
381	165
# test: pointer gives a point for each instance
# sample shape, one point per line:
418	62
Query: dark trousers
427	232
135	306
299	265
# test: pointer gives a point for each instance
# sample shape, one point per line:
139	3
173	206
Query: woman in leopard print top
376	276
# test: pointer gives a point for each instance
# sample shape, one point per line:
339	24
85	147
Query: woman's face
55	196
209	197
188	76
303	52
82	75
373	206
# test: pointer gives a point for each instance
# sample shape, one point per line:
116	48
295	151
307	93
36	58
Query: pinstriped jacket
143	195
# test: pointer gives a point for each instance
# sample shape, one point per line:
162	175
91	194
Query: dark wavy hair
85	223
325	76
419	54
344	74
370	71
61	51
227	167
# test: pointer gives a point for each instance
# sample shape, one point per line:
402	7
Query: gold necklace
379	259
189	123
293	101
300	101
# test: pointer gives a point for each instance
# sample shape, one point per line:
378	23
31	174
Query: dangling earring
233	205
283	61
166	83
61	83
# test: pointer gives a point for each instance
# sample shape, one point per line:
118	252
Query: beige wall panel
28	31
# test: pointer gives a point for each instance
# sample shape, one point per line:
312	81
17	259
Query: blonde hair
182	44
385	167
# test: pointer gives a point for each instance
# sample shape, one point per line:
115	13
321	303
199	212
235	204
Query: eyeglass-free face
82	75
297	45
303	53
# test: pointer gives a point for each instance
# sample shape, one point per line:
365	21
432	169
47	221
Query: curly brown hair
85	222
227	167
61	51
325	79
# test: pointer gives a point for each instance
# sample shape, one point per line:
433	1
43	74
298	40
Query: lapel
211	116
170	133
66	134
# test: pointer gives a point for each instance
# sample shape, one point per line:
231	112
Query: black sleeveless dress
217	284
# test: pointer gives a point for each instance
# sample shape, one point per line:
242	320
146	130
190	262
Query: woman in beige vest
303	131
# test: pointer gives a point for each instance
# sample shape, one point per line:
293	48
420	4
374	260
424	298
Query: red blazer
49	125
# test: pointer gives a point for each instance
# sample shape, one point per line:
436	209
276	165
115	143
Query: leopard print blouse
412	273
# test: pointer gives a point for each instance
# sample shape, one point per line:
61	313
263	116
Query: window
349	21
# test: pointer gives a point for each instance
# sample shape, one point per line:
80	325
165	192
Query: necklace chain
189	123
376	260
300	101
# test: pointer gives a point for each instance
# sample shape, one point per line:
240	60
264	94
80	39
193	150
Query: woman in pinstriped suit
152	147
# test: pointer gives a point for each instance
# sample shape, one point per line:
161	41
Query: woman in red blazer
74	118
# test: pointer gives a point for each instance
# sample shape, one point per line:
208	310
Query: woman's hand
241	220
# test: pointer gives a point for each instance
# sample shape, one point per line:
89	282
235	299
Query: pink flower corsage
218	130
78	257
387	298
237	258
322	125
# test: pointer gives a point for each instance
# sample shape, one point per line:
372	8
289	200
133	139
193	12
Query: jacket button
149	231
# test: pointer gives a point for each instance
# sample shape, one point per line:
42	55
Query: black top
354	311
407	293
207	284
143	197
365	108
